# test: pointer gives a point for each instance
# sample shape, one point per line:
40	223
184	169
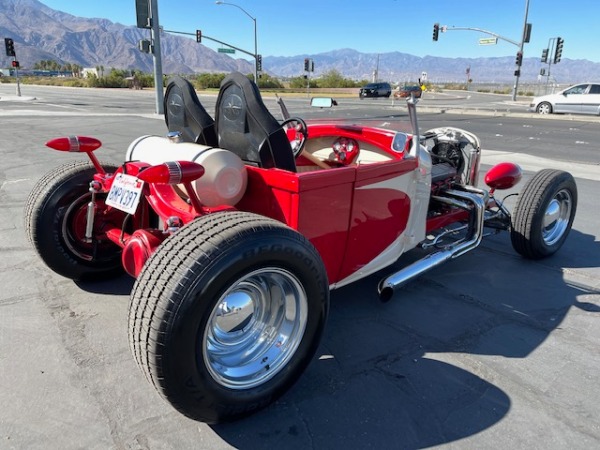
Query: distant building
87	71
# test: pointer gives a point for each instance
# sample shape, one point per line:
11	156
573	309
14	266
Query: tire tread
534	194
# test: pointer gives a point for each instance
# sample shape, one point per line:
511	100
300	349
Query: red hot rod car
237	228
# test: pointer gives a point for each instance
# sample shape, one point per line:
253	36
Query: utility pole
376	71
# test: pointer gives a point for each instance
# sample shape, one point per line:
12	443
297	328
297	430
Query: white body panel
417	185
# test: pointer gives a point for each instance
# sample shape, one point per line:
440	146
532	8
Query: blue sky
287	28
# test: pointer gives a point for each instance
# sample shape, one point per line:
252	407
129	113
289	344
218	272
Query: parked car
375	90
579	99
407	91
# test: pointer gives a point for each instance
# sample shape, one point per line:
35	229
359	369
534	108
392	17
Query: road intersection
488	351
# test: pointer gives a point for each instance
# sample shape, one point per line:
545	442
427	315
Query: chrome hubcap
255	328
556	217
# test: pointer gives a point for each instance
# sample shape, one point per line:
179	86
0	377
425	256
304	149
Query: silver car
580	99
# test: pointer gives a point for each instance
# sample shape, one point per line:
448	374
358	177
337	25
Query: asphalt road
488	351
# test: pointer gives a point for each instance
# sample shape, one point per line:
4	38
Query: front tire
544	108
544	214
55	222
227	314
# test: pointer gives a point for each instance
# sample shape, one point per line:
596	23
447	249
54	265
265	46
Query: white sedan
582	99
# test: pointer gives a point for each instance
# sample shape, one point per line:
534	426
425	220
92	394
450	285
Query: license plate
125	193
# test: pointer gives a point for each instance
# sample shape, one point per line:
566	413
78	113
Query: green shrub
209	80
268	82
300	83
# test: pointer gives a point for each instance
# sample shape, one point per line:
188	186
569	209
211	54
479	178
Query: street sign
488	41
226	50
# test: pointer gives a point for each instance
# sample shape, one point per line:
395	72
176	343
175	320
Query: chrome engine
456	155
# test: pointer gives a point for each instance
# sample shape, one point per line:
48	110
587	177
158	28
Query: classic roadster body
237	228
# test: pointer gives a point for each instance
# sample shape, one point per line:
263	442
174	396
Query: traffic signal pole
10	51
156	53
524	38
204	36
18	81
200	36
551	55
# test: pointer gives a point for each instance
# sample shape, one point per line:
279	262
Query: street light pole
219	2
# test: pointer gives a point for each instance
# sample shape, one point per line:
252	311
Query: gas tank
225	178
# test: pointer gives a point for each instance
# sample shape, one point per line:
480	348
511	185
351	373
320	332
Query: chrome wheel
243	309
556	217
255	328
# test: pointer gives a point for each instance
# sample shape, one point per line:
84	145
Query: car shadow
121	285
421	370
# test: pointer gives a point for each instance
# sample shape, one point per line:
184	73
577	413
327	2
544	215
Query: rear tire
544	214
227	314
55	218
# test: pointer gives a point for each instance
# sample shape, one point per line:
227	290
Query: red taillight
81	144
172	172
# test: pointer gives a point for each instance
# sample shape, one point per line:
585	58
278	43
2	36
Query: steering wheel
301	129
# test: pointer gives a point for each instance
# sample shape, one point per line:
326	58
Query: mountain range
42	33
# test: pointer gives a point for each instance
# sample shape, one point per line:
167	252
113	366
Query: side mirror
322	102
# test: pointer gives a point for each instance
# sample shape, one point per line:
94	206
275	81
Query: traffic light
142	11
144	45
306	64
436	31
198	36
259	63
15	64
559	49
519	59
10	47
527	33
545	55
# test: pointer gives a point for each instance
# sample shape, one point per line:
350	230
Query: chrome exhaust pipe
464	200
